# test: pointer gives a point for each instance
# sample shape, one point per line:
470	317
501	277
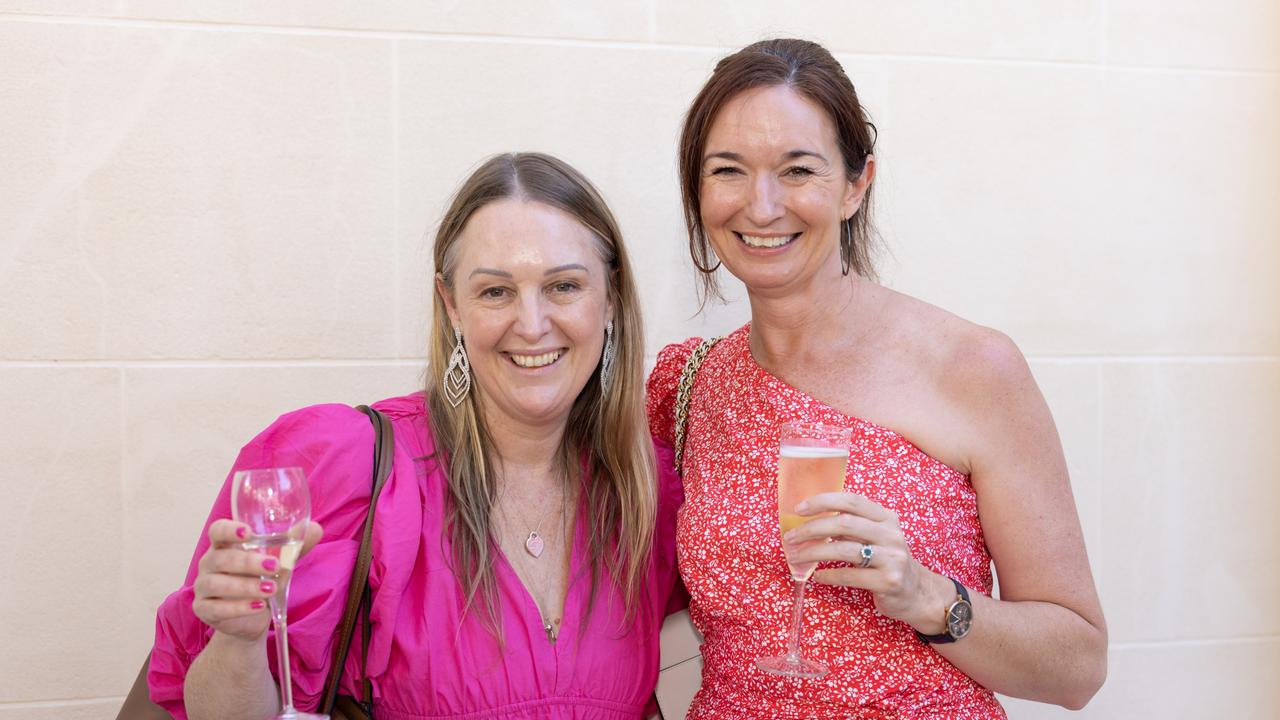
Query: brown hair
810	70
606	437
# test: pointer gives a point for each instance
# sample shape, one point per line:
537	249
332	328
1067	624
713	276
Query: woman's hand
233	584
902	588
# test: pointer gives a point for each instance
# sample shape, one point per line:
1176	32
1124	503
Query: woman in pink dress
955	460
524	547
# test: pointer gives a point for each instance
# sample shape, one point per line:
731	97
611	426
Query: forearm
230	680
1029	649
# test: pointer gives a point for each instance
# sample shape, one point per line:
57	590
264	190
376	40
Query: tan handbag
680	670
138	705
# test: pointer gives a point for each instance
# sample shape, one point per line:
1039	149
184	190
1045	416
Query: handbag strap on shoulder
684	391
358	591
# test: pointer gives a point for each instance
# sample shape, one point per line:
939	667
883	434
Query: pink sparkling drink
805	471
812	459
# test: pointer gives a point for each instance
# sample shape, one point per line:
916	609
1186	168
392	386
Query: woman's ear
446	295
856	189
610	312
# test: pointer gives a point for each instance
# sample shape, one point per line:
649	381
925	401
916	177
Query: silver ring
867	553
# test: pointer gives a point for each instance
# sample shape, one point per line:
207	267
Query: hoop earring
607	358
706	245
457	377
846	246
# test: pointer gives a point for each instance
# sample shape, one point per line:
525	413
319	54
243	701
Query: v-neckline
529	610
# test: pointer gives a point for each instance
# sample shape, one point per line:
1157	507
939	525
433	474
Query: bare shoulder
961	355
981	393
986	366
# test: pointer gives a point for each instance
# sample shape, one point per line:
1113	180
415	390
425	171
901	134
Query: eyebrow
507	275
789	155
490	271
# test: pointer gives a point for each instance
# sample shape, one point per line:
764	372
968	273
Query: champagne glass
812	458
276	505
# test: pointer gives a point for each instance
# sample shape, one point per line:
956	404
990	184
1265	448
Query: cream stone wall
213	212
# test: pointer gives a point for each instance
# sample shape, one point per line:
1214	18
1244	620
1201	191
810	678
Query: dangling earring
846	246
606	359
457	377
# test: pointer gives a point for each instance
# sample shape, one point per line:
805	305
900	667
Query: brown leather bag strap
358	591
366	634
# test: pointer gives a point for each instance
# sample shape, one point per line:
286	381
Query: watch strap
946	636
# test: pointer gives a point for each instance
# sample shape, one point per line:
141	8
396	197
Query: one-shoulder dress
730	553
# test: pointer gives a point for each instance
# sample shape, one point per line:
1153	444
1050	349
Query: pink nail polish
242	532
270	564
257	604
267	587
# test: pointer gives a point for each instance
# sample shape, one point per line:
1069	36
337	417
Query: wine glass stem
797	615
279	614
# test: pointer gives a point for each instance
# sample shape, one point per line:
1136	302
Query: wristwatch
959	618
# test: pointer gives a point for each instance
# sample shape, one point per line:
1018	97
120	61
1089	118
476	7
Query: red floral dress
730	553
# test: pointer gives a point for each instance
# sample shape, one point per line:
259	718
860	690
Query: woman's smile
536	360
766	241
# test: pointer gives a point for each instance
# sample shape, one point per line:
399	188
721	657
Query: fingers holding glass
812	460
274	504
231	593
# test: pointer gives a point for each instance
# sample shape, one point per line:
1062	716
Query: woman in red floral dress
955	460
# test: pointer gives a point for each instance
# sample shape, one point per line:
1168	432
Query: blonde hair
607	434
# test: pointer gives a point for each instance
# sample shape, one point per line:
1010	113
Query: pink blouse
731	553
425	659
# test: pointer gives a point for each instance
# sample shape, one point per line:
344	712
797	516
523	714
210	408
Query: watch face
959	619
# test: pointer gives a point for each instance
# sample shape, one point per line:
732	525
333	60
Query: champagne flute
812	458
276	505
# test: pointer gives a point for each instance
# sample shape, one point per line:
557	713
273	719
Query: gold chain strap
683	392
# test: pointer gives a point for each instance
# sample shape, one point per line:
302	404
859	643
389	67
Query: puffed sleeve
660	397
333	445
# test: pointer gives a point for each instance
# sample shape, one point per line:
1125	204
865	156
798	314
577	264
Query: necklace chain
534	543
533	546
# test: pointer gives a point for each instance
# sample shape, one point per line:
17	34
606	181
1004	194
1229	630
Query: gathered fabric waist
548	708
721	700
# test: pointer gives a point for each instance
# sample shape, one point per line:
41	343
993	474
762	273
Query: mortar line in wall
235	363
379	33
58	702
1195	642
1106	34
604	43
1153	359
1098	485
413	361
123	381
396	284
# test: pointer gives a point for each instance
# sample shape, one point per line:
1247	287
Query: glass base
792	666
299	715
